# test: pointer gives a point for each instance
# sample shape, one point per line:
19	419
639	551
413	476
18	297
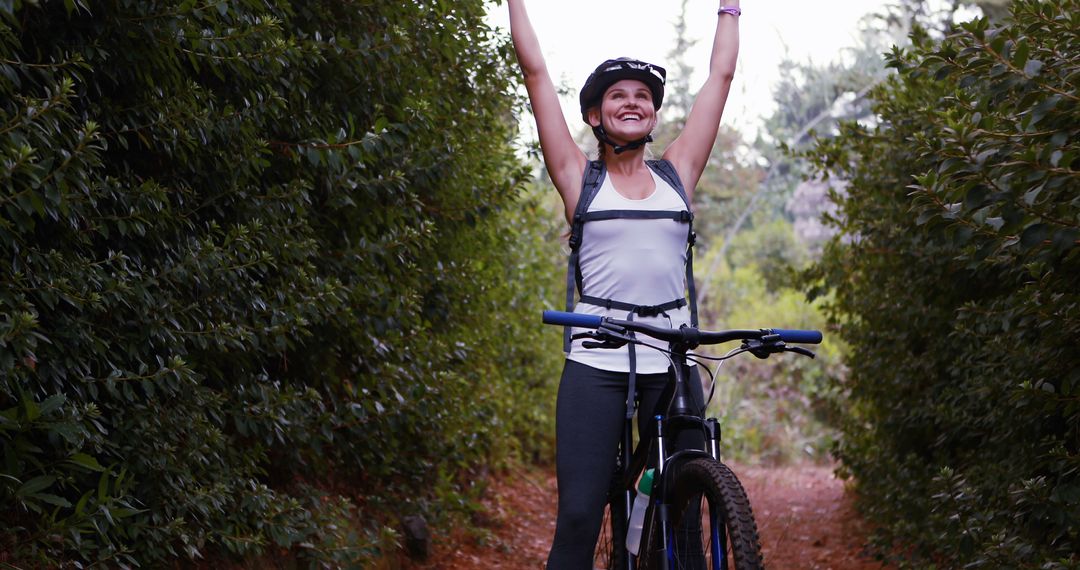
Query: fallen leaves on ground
805	519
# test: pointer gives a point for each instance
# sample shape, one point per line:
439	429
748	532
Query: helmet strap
619	149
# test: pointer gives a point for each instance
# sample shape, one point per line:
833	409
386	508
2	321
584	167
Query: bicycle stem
680	403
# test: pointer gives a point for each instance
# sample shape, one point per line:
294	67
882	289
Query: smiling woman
630	261
631	91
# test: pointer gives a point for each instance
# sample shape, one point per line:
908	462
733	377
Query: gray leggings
589	419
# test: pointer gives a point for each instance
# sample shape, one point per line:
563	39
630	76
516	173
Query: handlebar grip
801	336
571	319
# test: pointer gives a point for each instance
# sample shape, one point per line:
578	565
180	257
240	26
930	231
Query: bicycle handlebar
683	334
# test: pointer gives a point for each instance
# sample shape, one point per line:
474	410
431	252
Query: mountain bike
687	483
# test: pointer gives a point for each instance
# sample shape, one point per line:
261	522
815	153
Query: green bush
270	268
956	283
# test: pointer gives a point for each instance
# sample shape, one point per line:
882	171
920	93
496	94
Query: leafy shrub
956	287
269	268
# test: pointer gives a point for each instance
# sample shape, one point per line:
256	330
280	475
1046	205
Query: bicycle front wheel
712	526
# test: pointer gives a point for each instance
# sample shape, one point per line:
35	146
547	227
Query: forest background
275	272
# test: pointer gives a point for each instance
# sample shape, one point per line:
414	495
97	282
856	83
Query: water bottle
637	512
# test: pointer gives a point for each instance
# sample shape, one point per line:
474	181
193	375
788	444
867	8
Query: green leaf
313	155
81	504
975	198
1020	55
52	403
1043	108
1055	158
35	485
1034	235
998	43
124	512
1066	239
30	408
86	461
103	487
51	499
1031	195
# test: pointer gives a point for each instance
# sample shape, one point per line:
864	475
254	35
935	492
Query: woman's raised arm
690	152
564	160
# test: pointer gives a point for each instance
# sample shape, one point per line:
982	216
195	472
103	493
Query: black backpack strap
631	388
678	216
666	170
591	180
691	237
643	310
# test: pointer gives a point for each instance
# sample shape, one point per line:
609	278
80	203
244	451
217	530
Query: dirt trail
804	517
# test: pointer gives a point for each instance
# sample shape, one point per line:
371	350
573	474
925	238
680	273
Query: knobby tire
714	486
610	553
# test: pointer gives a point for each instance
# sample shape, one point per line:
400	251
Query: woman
626	265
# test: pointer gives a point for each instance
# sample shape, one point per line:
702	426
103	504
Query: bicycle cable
712	373
697	359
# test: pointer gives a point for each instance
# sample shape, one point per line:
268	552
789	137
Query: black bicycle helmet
615	70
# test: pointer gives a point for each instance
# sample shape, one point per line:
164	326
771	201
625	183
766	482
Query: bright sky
576	35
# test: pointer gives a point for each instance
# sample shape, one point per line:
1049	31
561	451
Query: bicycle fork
665	523
682	416
712	432
713	435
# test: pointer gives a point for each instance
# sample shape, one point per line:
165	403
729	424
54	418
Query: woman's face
626	111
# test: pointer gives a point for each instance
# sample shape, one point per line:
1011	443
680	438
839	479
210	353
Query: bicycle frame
681	416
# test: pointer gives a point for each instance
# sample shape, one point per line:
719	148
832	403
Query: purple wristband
729	10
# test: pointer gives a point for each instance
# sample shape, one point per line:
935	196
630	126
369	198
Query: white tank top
642	262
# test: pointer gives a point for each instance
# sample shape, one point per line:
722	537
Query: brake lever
800	350
606	337
762	350
605	344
